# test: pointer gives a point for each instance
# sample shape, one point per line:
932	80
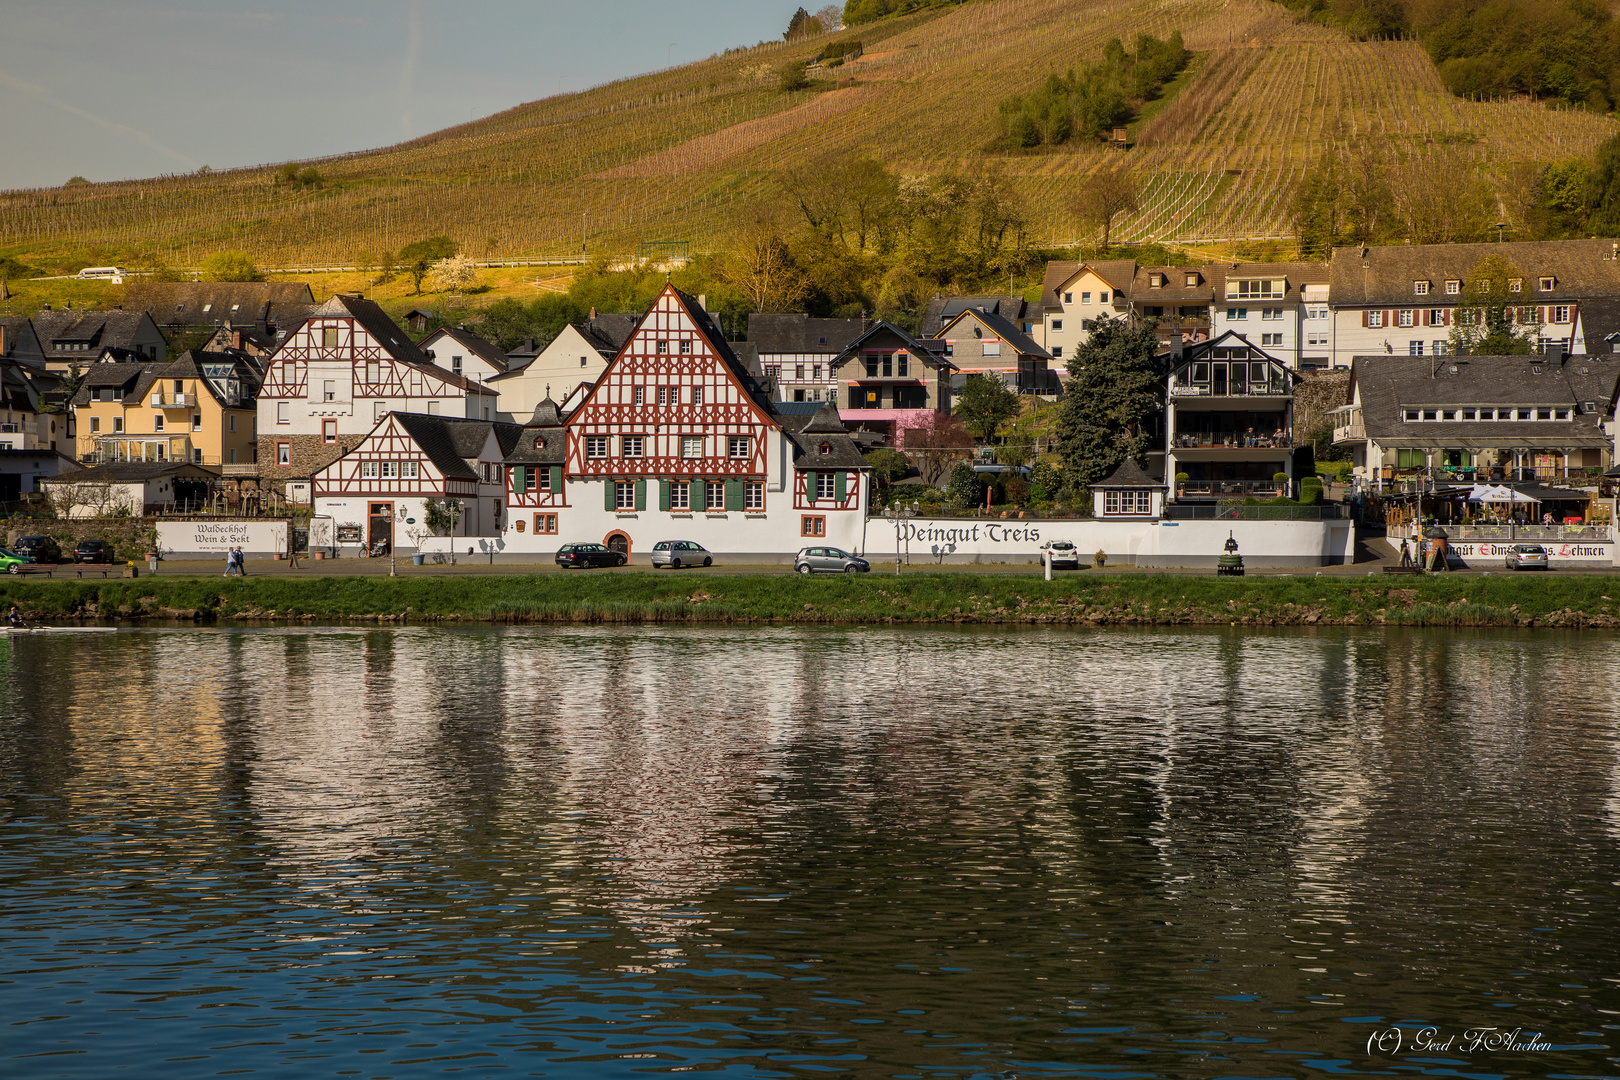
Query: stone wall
1317	394
309	454
131	537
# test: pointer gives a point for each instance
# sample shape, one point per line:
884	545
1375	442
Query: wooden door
380	536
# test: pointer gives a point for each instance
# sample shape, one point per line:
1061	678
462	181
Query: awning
1498	493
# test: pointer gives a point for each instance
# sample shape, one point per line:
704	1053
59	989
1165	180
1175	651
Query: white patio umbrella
1498	493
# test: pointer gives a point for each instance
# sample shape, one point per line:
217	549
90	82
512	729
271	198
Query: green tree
230	266
985	404
964	490
887	467
1487	319
1603	188
1110	399
791	77
418	258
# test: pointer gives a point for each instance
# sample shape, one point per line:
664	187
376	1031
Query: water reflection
776	851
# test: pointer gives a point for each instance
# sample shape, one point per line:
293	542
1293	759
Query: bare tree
830	17
935	444
762	268
1102	198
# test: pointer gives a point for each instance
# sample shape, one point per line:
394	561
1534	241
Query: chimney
703	301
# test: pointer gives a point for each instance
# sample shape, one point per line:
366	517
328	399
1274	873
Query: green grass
1574	600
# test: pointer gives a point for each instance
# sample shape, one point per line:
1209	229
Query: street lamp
898	513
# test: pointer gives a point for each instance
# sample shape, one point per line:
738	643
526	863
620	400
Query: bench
1403	569
103	571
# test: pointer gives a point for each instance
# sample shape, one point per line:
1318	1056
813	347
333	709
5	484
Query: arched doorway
618	541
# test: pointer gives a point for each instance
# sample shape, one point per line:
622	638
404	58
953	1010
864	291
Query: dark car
41	549
92	551
829	560
588	555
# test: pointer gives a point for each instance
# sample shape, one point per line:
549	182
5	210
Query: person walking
230	562
1406	555
241	563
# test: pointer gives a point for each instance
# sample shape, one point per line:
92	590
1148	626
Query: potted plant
1181	482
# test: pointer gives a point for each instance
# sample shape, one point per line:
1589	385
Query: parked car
1063	554
93	551
1527	557
587	556
12	563
679	553
829	560
39	548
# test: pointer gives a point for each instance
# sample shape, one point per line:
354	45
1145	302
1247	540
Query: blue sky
110	89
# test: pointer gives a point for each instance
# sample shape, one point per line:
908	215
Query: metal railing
1191	441
173	401
1215	489
1224	511
1527	532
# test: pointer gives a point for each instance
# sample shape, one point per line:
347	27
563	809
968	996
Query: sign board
349	534
180	539
1484	553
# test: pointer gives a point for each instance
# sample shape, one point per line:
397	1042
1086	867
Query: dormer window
821	341
826	448
207	308
539	442
1546	284
1192	279
1155	281
1420	288
1516	284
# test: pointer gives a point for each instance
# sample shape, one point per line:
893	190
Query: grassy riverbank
1129	599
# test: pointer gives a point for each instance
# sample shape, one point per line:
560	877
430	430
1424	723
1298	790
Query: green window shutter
663	495
556	479
734	495
839	490
697	496
641	494
518	472
607	494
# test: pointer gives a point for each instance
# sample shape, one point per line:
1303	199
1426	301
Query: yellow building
199	409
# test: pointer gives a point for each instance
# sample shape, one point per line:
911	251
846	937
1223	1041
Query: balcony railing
1510	531
1192	441
1227	489
1350	432
1266	389
173	401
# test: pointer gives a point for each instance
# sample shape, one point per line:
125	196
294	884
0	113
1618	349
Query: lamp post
897	514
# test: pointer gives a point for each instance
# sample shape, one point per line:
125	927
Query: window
686	348
1085	298
902	365
1068	298
630	445
329	431
991	348
1316	339
455	364
714	496
812	526
1057	325
281	413
663	347
1271	339
1375	319
1261	289
691	446
815	372
1127	502
1421	288
95	424
636	395
283	453
1470	414
1102	298
826	486
1414	348
1155	281
798	370
1057	352
373	370
1403	317
624	495
596	446
1453	288
697	395
754	495
545	523
537	479
1515	284
1316	313
680	495
157	421
329	390
329	338
390	470
1412	414
118	424
663	395
1440	347
379	409
1560	314
196	421
737	447
1237	314
1271	314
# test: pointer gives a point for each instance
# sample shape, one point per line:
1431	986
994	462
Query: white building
1269	304
565	369
798	353
1075	296
462	352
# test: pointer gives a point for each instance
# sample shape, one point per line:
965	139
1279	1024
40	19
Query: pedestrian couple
234	563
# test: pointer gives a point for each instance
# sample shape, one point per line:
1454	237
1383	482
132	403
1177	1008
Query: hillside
675	156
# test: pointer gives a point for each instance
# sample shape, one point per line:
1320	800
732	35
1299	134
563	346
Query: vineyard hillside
678	155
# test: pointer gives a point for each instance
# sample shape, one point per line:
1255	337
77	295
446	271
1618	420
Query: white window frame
409	470
1375	320
826	486
368	470
754	495
624	495
680	495
631	446
390	470
596	447
714	496
692	447
738	447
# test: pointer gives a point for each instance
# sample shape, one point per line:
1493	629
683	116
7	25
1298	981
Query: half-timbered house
676	440
335	378
377	492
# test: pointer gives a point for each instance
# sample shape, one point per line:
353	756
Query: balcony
1271	389
1228	489
1508	531
174	401
1207	441
1351	432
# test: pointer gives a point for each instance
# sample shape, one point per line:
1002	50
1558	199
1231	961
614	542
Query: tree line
1085	105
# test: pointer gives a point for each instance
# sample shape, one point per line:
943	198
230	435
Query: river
786	852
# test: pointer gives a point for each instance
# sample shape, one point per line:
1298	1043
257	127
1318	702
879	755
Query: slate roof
1128	475
796	332
808	433
449	441
98	328
126	378
1386	385
1600	324
609	329
1117	272
484	350
544	439
1380	276
930	350
710	329
1006	331
1212	279
237	303
388	334
942	309
132	472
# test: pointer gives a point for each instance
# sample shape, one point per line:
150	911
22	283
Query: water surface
588	852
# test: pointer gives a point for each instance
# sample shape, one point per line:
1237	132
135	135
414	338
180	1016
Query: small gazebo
1128	492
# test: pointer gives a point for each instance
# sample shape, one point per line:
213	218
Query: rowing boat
61	629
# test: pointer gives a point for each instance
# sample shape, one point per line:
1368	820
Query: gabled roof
1377	276
487	351
1003	329
97	328
449	441
1128	475
204	303
808	434
125	378
942	309
930	350
1117	272
395	341
797	332
609	330
133	472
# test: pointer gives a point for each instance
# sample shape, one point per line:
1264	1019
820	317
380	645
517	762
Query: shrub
1182	478
1100	559
1310	491
1016	491
964	489
791	77
230	266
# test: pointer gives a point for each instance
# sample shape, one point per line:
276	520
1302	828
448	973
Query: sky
117	89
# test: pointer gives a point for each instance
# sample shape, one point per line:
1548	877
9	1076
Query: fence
1238	512
1526	532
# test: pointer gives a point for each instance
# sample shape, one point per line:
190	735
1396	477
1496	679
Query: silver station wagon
829	560
678	553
